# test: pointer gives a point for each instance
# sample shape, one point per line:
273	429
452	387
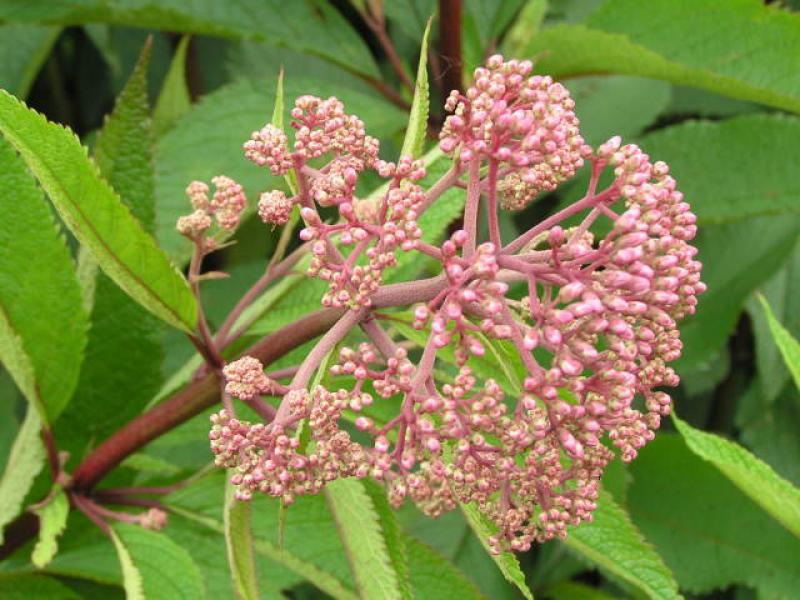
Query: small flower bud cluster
245	379
269	147
154	519
524	123
226	205
274	207
597	330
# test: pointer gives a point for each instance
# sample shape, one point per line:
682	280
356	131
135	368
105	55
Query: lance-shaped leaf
23	49
173	100
122	369
414	142
751	475
154	567
42	320
239	542
52	521
613	543
93	212
506	561
787	344
363	540
689	43
26	460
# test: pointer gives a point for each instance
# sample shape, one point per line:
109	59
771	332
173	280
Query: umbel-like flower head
591	321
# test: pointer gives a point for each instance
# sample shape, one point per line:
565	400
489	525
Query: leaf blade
52	522
414	141
788	345
239	543
100	222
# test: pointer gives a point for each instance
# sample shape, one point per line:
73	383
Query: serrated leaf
154	567
42	321
23	50
708	532
690	44
754	477
239	542
124	351
613	543
52	521
788	345
392	534
315	28
506	561
414	141
31	586
312	546
93	212
173	99
24	463
361	536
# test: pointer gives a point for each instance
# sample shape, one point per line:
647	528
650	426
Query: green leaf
208	141
414	142
315	28
312	547
392	534
125	341
239	542
616	105
736	270
526	25
709	533
754	477
733	169
93	212
52	521
571	590
506	561
362	538
173	100
154	567
684	43
24	463
42	321
31	586
613	543
788	345
23	50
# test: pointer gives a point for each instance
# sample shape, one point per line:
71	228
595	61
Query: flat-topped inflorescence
591	319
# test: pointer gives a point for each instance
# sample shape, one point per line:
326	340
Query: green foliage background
710	509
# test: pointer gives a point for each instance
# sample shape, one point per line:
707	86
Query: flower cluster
585	325
226	206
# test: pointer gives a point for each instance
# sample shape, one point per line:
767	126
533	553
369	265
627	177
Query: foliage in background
709	86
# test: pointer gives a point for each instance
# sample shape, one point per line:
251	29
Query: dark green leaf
725	47
708	532
23	49
30	586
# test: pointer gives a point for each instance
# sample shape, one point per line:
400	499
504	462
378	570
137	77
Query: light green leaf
788	345
154	567
362	538
124	351
173	100
396	542
42	321
414	142
525	26
724	47
24	463
23	49
239	542
95	215
52	521
506	561
708	532
754	477
613	543
312	27
32	586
